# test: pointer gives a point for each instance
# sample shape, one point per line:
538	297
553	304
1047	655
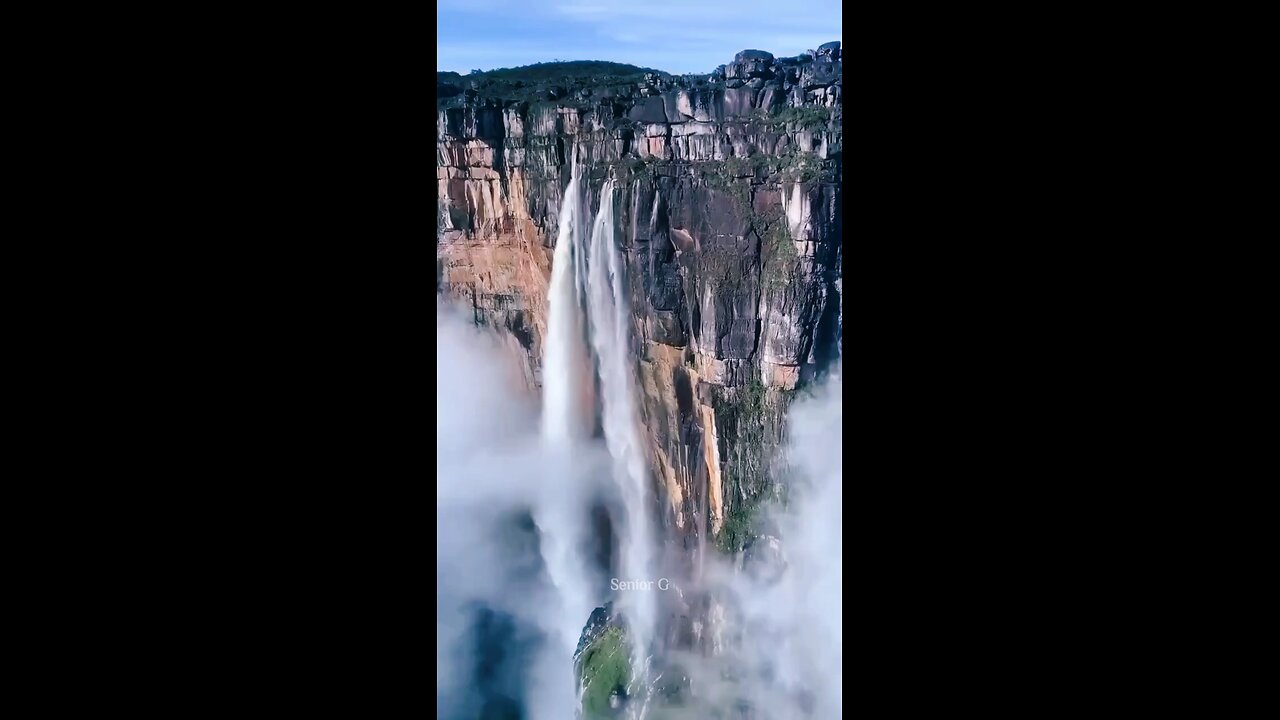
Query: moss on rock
605	669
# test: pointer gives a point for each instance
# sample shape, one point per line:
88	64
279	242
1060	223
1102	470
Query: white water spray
561	510
610	322
490	474
560	373
594	270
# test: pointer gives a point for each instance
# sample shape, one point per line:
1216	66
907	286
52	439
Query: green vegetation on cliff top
557	69
549	81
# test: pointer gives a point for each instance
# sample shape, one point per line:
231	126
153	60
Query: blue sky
678	36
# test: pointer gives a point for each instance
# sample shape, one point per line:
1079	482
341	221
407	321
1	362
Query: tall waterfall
560	374
592	268
561	511
610	339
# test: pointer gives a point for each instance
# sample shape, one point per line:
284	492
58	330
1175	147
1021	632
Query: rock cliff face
730	226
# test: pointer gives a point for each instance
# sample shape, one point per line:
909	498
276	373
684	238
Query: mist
797	621
513	583
778	651
517	575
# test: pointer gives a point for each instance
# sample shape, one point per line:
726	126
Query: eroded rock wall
730	222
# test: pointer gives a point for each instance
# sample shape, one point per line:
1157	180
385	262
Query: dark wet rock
651	110
763	559
750	64
672	687
819	74
601	619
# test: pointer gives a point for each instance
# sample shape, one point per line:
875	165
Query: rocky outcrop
730	220
602	662
603	665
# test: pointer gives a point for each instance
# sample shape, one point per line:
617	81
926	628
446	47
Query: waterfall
791	646
610	322
591	268
561	510
560	375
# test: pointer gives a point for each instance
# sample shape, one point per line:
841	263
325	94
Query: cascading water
610	322
559	372
561	511
593	271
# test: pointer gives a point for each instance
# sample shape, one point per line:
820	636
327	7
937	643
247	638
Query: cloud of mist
785	656
812	535
512	588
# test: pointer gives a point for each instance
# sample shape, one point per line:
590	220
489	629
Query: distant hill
563	82
553	70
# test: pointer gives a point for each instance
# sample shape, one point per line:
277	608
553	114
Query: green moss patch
605	667
737	529
803	118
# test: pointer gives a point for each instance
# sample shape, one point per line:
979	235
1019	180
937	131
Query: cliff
730	228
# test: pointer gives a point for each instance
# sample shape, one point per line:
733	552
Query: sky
678	36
